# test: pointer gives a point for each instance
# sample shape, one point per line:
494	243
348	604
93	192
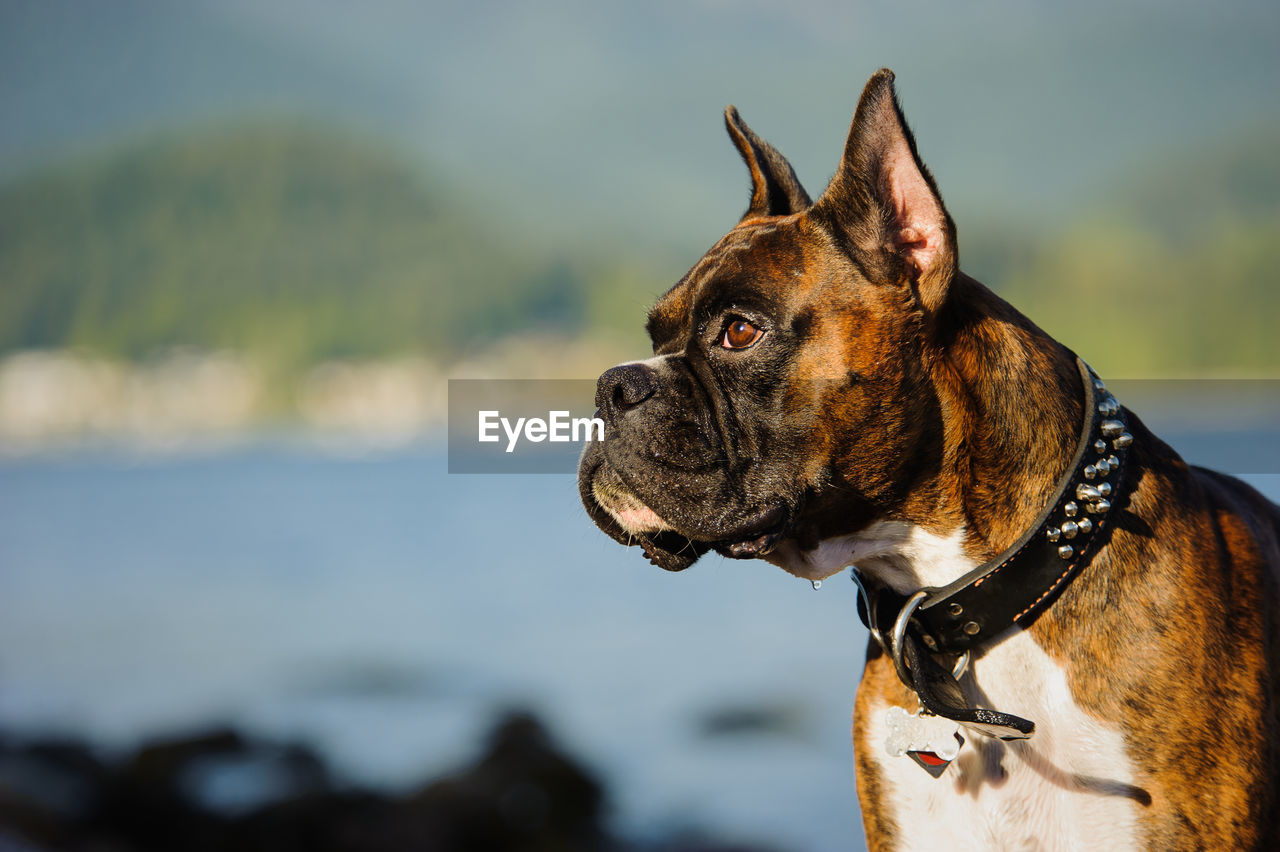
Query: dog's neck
1013	402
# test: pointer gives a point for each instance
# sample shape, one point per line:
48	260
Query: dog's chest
1068	787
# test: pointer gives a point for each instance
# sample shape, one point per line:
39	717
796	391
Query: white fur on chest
903	556
1068	787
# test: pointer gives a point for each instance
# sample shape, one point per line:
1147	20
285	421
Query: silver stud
1070	509
1099	386
972	628
1066	551
1104	466
1090	471
1085	525
1104	488
1111	428
1087	493
1114	462
1053	533
1099	507
1122	440
1100	446
955	609
1070	528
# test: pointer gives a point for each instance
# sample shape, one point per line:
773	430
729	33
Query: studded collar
1014	587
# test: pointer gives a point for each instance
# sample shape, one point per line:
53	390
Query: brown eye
740	334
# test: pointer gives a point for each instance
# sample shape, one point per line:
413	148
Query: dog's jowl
1074	633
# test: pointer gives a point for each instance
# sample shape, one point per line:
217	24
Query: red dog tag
930	762
931	741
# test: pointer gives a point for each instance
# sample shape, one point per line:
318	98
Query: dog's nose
625	386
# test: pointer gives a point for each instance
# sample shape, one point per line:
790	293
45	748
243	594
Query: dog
1074	634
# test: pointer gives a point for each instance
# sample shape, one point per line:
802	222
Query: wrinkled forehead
743	270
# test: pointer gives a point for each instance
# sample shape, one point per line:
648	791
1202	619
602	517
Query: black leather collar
1014	587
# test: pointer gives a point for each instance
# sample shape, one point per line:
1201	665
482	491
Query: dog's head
786	401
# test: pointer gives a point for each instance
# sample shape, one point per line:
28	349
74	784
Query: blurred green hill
295	245
291	244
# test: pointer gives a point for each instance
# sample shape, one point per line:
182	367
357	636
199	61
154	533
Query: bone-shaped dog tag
931	741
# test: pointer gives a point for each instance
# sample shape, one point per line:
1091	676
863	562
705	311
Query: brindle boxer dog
1074	632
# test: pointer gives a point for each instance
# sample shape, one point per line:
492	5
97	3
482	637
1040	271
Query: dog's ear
775	189
884	201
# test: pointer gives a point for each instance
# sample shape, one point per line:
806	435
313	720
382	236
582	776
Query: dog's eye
740	334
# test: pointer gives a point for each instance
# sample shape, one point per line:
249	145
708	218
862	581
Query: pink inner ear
917	216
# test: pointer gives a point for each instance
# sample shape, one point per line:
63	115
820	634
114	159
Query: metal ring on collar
900	631
872	623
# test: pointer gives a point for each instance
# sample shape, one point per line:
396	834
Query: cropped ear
775	189
884	202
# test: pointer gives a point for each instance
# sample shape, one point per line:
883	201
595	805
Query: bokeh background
244	244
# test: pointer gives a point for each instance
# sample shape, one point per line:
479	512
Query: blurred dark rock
62	777
46	789
220	790
524	793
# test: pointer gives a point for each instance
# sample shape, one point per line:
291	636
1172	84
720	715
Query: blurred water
383	610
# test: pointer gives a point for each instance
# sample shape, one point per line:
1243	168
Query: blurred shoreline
190	399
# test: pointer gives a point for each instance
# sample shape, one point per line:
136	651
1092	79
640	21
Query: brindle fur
893	386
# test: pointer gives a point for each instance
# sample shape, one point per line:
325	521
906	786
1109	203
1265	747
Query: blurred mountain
294	245
572	119
287	243
1108	164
